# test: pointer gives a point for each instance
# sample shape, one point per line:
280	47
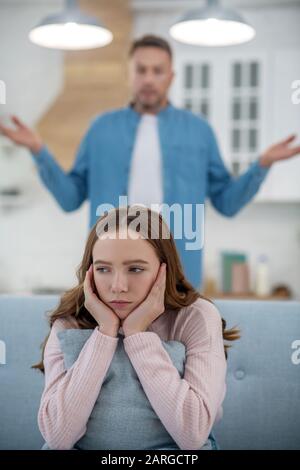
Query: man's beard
144	106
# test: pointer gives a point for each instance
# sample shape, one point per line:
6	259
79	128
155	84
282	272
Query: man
150	151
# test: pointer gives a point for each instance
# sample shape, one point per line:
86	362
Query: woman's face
124	269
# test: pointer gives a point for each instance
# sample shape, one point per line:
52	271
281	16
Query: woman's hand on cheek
107	320
150	309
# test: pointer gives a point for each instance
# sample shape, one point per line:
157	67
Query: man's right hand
106	318
22	135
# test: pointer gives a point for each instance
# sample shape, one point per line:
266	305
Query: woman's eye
140	269
100	269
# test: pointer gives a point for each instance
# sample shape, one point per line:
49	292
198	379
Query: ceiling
227	3
174	3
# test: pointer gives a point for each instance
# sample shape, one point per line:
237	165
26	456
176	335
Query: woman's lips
120	304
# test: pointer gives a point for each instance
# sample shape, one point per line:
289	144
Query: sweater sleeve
228	194
70	395
188	406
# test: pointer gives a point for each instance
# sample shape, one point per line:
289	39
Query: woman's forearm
70	395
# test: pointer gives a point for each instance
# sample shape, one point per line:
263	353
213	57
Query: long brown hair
179	292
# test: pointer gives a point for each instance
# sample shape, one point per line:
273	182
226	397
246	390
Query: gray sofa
262	404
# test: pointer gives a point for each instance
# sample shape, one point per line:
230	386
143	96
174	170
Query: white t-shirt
145	178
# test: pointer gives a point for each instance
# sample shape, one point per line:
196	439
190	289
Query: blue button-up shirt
192	170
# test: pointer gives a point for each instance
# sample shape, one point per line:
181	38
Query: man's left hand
280	151
150	309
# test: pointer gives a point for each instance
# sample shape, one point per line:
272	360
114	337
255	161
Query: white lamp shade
70	31
212	26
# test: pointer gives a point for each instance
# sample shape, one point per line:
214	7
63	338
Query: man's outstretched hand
22	135
280	151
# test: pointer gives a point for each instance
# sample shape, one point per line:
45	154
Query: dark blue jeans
213	441
210	444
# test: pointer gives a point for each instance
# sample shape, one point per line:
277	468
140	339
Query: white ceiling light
70	30
212	25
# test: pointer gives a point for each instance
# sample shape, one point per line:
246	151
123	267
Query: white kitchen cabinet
283	120
251	114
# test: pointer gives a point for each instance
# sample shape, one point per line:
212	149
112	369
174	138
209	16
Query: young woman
131	287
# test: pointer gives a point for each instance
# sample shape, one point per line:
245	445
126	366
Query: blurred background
245	91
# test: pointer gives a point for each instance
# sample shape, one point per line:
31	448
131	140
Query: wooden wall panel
95	81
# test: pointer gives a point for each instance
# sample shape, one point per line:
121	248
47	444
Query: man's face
150	74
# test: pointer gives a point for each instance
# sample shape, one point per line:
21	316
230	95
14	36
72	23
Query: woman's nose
119	283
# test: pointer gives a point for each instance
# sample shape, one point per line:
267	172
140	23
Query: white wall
269	229
40	245
33	74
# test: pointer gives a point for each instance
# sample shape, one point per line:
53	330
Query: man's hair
150	41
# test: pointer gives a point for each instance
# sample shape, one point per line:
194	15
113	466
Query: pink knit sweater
187	407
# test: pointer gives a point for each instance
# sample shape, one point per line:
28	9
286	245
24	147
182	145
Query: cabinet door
201	85
283	119
235	110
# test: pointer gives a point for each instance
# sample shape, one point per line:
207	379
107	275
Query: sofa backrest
262	403
261	407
